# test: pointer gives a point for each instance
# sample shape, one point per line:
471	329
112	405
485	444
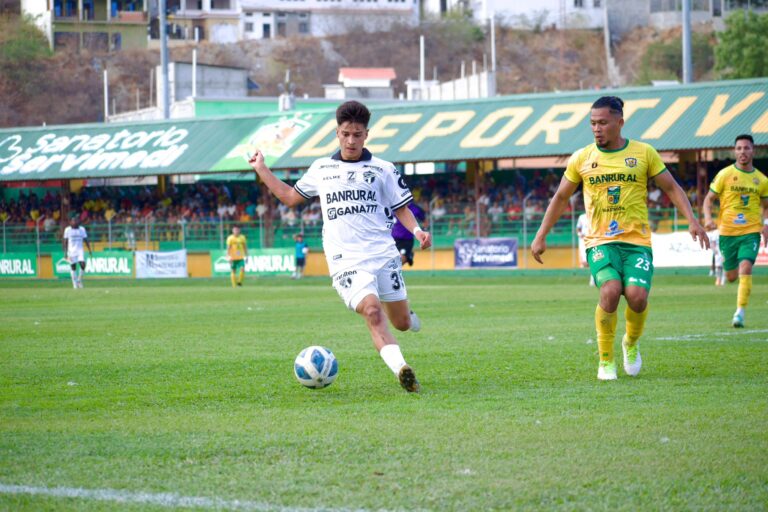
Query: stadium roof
697	116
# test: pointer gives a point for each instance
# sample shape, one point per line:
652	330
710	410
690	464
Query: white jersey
75	237
358	200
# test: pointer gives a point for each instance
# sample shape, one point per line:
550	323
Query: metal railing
212	233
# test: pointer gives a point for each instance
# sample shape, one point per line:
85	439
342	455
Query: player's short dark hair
614	103
744	136
353	112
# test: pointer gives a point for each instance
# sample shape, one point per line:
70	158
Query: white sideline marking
698	337
170	500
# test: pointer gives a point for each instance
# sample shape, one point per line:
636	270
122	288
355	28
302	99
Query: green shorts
237	264
736	249
631	264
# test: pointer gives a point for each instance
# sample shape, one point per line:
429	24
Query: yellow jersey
740	193
616	191
236	247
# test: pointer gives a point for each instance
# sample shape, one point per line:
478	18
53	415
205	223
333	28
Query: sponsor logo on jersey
345	278
612	177
613	229
631	162
329	166
597	254
329	178
614	194
335	213
744	199
594	165
369	166
740	219
350	176
742	189
755	181
350	195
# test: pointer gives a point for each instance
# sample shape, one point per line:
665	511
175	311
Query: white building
526	14
362	83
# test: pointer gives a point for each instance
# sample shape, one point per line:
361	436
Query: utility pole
687	59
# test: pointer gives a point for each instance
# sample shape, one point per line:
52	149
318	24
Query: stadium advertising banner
678	250
106	263
152	264
19	264
258	261
681	117
485	253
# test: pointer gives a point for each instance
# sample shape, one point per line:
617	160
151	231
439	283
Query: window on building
596	4
303	27
249	27
281	29
578	3
266	29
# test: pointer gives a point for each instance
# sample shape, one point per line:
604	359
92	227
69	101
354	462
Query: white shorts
75	257
386	283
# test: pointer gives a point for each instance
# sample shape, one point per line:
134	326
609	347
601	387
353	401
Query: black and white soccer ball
316	367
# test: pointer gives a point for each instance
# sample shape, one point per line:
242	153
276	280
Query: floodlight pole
687	59
164	61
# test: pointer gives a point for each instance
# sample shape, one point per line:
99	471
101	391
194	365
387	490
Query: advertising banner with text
259	261
19	264
106	263
485	253
152	264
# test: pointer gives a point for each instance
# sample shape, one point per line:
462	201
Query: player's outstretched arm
555	210
285	193
409	222
669	185
706	207
88	245
765	222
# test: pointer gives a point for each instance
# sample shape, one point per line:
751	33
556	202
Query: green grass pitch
186	388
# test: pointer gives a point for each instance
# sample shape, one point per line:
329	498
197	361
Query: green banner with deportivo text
104	263
18	264
706	115
258	261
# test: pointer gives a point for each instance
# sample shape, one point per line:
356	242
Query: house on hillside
362	83
96	25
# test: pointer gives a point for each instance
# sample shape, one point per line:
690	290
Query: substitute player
615	172
360	196
72	243
237	251
743	193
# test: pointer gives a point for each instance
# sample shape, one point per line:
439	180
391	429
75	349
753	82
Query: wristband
765	222
417	229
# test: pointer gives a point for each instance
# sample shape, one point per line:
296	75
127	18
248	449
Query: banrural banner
258	261
680	117
106	263
19	264
485	253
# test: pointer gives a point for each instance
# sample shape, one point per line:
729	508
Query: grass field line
707	336
168	500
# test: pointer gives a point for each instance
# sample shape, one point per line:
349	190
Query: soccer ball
316	367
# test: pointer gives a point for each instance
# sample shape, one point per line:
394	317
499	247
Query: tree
741	50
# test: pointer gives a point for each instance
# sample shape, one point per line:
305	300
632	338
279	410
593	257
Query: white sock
393	357
74	278
740	311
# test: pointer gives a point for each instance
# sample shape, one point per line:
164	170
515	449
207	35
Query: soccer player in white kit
72	243
360	196
582	226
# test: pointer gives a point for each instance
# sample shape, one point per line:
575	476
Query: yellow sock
606	332
745	288
635	324
233	279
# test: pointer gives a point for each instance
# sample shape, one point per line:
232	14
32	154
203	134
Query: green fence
209	235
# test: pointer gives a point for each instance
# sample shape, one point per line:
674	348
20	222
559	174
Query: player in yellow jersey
237	250
743	193
615	172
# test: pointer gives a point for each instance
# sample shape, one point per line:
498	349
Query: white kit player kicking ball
72	243
360	196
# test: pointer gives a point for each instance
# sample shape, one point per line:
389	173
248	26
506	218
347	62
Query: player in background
360	196
582	228
404	238
615	172
72	244
301	255
717	257
237	251
743	194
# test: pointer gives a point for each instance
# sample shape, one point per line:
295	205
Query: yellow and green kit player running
236	252
614	172
743	194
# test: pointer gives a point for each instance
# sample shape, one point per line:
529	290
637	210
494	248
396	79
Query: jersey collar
365	156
